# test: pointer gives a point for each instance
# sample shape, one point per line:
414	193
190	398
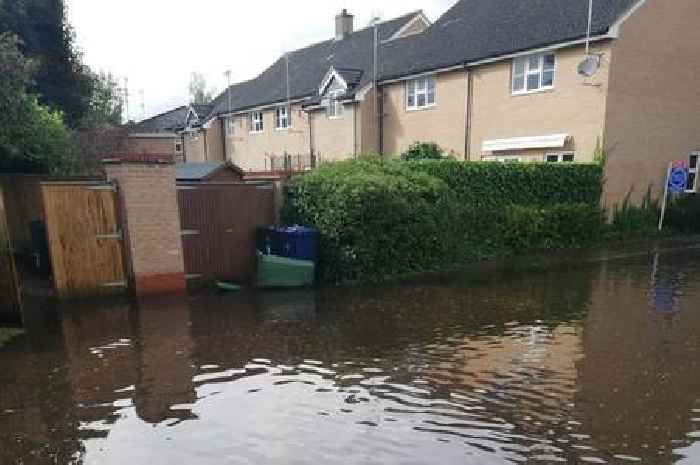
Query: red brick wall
151	219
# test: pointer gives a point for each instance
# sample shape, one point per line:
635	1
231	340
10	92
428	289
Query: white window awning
521	143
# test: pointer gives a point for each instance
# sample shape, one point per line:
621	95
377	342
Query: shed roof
202	171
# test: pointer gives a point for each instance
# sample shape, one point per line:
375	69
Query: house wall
335	139
369	134
251	151
215	141
653	111
571	107
444	123
152	145
195	150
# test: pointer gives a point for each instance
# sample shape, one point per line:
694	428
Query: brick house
180	132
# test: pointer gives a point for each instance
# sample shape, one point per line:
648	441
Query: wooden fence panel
219	224
85	239
10	295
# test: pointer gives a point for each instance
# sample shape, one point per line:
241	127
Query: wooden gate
85	239
10	301
219	223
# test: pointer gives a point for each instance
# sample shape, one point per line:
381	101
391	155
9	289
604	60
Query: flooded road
593	363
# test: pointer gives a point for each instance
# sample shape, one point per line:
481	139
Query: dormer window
282	118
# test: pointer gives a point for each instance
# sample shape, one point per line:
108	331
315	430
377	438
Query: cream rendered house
498	80
313	104
493	80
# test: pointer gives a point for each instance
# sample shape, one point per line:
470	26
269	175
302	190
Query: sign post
676	183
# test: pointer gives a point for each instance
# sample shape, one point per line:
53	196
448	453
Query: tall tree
106	105
62	81
33	138
199	93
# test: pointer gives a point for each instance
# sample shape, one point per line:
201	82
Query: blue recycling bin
300	243
295	242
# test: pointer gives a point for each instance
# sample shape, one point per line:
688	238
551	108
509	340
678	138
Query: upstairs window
282	118
335	106
256	122
178	146
230	126
562	157
420	93
693	172
533	73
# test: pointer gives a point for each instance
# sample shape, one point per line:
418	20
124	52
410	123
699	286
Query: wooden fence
85	238
10	295
219	223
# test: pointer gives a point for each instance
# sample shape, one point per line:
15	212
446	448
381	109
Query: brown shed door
219	223
85	239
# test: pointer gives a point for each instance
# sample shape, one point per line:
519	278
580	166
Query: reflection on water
597	364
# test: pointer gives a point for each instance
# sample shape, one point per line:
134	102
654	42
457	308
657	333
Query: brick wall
151	220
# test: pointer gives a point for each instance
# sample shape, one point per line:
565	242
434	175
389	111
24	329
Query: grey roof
351	76
170	121
195	171
470	31
474	30
202	109
307	68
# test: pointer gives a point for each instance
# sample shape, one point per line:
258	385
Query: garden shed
208	173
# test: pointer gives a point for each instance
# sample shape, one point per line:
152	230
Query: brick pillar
151	221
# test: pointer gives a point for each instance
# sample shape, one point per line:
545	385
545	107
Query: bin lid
301	230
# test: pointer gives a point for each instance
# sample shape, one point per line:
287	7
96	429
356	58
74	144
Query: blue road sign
678	181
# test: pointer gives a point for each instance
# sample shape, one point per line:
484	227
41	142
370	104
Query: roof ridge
172	110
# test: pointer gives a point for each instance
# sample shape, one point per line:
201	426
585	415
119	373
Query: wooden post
10	296
663	206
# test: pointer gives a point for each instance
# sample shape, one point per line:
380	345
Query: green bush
423	151
380	218
492	186
684	215
376	218
555	227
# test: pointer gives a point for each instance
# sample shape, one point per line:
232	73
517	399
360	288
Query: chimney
343	25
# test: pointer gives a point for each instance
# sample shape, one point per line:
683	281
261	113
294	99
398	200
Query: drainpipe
311	133
354	131
223	140
468	112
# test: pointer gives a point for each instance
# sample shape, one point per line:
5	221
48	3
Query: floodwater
595	362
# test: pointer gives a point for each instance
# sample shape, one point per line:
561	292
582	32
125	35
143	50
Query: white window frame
335	108
532	71
421	87
696	156
512	158
230	126
282	121
179	146
560	157
257	122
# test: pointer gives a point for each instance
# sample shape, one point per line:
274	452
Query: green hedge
494	185
380	218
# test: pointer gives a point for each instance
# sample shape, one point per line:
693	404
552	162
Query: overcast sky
158	43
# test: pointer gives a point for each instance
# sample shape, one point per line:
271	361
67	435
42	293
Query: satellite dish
589	66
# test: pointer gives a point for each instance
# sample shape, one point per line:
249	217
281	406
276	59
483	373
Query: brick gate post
150	219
